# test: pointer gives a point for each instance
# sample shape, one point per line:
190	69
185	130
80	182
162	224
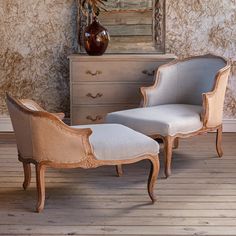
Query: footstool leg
219	142
119	170
176	143
168	142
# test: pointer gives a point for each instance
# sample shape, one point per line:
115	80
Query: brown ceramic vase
96	38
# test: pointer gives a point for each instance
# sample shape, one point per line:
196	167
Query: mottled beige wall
202	26
35	38
37	35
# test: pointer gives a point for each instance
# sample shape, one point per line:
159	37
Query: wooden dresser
103	84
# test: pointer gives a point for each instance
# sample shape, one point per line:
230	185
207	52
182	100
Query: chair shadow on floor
79	188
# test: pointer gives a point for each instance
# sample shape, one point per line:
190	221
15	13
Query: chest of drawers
108	83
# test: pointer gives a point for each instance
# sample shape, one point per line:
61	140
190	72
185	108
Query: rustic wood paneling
129	5
126	18
133	19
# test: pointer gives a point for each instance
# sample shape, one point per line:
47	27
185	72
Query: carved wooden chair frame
88	162
171	142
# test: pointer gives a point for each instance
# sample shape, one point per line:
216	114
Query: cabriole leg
27	175
40	180
119	170
168	143
176	143
219	142
155	166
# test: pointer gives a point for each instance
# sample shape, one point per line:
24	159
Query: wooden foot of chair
219	142
168	143
40	180
119	170
27	175
176	143
153	178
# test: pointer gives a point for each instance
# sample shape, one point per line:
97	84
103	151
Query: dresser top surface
105	57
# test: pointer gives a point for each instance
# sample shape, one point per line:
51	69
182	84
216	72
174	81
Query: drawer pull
98	95
89	72
97	118
149	73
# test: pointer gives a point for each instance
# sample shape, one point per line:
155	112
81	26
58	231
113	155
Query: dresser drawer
114	71
94	114
103	93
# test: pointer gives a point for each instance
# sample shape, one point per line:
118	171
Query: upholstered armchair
186	99
45	141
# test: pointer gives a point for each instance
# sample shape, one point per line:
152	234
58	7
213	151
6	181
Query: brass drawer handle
97	118
98	95
149	73
89	72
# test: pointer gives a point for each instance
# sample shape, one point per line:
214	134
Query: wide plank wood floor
198	199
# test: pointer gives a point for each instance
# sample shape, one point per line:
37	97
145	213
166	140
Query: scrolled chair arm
60	115
57	140
32	105
161	92
149	96
213	101
44	139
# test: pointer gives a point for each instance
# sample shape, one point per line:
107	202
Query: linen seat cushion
117	142
164	120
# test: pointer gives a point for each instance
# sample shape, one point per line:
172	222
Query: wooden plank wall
130	25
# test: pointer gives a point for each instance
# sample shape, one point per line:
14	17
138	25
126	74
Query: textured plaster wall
202	26
36	36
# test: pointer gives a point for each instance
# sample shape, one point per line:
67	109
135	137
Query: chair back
42	136
190	78
21	122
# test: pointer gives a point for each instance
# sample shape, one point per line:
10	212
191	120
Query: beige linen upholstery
44	140
118	142
186	99
170	119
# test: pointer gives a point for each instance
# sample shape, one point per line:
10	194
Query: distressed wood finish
199	200
206	116
27	174
176	143
93	113
119	170
129	20
108	83
219	141
168	144
40	182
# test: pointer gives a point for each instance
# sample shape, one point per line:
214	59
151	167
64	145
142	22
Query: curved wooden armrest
161	92
30	104
60	115
57	142
213	102
145	95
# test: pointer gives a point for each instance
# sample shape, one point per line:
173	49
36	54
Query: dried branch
92	6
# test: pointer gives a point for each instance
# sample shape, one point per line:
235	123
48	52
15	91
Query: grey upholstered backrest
185	81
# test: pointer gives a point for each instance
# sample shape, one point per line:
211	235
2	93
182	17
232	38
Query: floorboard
198	199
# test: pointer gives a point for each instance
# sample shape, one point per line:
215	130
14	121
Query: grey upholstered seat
186	99
117	142
165	120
